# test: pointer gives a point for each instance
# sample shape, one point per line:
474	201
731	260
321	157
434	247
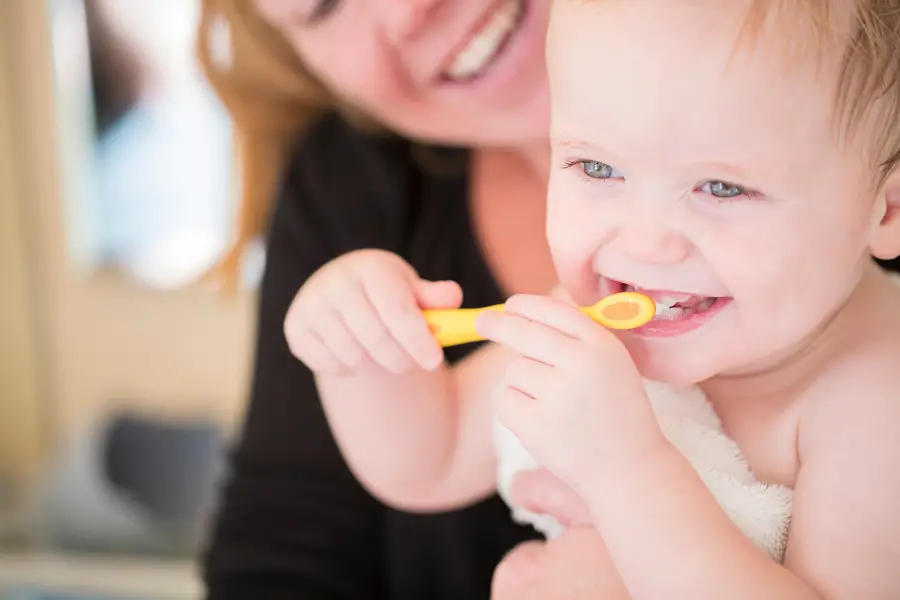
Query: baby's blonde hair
867	36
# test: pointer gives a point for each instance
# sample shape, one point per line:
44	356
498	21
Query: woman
462	73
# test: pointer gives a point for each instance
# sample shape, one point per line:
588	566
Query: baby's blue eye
598	170
722	189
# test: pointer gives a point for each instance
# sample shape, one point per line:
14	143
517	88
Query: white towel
761	511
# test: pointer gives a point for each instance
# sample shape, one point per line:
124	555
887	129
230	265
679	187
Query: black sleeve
294	523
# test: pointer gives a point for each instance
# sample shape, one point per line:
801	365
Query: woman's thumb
542	492
437	294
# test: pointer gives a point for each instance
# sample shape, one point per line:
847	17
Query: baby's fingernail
429	364
431	359
485	319
512	303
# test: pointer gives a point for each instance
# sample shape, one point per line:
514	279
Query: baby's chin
678	369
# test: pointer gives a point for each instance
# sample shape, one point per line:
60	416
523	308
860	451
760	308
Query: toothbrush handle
456	326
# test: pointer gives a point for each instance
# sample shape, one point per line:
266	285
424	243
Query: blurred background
122	372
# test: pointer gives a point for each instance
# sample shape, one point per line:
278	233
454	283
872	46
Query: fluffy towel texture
761	511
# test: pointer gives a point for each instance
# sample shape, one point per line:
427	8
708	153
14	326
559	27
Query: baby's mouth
672	305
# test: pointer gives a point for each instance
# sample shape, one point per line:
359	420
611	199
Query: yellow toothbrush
625	310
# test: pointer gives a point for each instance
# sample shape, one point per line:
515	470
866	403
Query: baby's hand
364	310
573	396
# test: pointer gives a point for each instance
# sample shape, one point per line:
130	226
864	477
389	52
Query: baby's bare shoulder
845	537
861	390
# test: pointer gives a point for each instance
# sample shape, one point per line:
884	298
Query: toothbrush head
625	310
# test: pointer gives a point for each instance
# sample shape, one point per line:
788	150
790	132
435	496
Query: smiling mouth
673	306
485	43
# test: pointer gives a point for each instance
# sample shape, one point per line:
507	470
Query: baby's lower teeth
669	313
706	304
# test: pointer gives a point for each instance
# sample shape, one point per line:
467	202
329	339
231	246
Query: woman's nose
401	20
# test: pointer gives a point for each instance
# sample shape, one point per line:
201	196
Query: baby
737	162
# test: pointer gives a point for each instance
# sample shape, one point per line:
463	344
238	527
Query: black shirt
294	523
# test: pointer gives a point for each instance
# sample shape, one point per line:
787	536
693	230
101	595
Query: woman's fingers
540	491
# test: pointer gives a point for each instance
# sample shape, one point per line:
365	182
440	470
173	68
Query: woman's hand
575	566
542	492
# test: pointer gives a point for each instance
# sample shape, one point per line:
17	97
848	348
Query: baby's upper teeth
663	301
662	309
666	301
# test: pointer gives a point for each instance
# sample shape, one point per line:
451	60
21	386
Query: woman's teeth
486	43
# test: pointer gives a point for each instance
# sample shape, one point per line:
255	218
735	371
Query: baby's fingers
394	299
366	325
331	329
310	347
437	294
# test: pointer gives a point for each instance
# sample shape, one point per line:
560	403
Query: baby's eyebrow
566	141
573	143
738	173
720	166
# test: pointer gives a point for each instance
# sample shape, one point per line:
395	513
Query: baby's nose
652	243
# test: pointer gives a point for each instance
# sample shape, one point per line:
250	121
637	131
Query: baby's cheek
780	321
579	280
573	258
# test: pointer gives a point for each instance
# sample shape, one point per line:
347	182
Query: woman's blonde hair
271	97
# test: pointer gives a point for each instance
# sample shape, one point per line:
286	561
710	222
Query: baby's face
704	175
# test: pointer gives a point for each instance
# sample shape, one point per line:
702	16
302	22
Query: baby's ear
886	237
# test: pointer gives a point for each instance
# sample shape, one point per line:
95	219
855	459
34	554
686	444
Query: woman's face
464	72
